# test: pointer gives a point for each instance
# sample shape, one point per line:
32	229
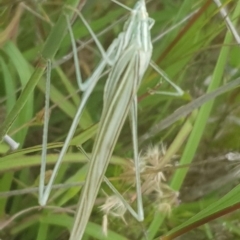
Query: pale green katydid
128	56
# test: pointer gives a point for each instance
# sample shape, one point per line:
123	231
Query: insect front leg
87	87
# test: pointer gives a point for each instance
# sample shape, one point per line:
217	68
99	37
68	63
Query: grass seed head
114	207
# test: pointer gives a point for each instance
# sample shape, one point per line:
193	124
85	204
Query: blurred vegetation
199	55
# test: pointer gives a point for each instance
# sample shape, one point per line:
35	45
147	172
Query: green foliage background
193	53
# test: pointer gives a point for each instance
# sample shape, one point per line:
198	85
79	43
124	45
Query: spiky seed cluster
153	178
129	171
153	159
153	182
166	199
114	207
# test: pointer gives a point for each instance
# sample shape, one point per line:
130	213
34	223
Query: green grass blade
228	202
49	50
200	123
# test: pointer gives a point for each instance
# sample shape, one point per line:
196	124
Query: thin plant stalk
49	50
